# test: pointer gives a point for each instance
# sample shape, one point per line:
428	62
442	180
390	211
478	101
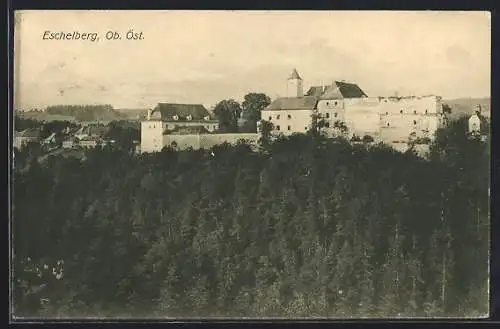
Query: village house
88	136
22	138
477	124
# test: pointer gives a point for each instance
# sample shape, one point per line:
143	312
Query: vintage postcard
250	165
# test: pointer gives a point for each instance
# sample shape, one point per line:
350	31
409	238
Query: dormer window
175	117
207	118
189	117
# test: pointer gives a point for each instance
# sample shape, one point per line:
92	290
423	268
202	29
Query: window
289	127
289	116
278	116
335	103
335	114
327	125
401	111
425	111
388	124
327	115
386	113
414	122
270	118
327	103
305	128
277	127
414	111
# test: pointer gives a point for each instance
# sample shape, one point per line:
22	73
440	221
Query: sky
206	56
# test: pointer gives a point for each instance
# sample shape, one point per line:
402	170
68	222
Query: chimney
149	114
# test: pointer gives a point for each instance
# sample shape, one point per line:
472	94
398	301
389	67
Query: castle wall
206	141
362	117
210	140
209	125
182	142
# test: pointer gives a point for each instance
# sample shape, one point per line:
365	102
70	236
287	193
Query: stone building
389	119
170	118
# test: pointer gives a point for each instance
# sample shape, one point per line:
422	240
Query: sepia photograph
289	165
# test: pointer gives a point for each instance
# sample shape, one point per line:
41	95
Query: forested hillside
75	113
307	227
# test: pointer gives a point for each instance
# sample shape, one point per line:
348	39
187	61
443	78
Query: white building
169	118
475	122
22	138
392	119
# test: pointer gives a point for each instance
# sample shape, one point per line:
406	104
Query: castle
182	126
343	108
387	119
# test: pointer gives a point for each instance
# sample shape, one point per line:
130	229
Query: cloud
209	56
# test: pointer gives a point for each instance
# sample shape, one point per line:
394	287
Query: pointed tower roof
295	75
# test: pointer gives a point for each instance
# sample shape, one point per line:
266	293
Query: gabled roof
94	130
169	110
316	91
29	133
293	103
341	89
294	75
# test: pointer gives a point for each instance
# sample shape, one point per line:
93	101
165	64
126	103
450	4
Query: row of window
327	125
414	112
278	128
327	115
278	117
414	122
173	126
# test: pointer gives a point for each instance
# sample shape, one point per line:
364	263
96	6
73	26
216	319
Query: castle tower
294	86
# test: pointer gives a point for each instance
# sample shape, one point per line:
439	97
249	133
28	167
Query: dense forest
307	227
86	112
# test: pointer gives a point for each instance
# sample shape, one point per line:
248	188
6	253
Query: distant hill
42	116
466	106
133	114
81	113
